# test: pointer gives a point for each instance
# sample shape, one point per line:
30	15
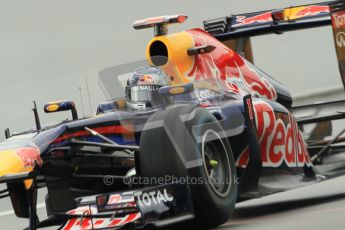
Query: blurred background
49	48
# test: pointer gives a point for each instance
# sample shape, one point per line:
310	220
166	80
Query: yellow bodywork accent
11	163
291	13
52	108
177	90
213	163
28	184
179	63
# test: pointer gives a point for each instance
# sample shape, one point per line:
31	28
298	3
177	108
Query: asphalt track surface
319	206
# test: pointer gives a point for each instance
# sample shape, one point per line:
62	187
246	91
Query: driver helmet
143	85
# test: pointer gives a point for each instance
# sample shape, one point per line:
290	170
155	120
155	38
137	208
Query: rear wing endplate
338	25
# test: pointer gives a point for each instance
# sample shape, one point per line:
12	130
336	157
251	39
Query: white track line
11	212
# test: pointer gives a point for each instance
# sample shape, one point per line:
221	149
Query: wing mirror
176	89
59	106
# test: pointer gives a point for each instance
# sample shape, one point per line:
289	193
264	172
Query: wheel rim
216	163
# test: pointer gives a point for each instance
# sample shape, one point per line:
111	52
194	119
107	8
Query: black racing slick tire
188	142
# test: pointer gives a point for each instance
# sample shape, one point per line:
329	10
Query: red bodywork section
279	137
30	156
260	18
264	17
313	10
227	66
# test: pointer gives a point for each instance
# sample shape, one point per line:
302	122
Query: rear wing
234	31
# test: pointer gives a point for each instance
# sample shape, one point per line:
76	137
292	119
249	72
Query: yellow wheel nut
213	163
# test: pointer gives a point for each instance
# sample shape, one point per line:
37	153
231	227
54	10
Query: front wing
158	206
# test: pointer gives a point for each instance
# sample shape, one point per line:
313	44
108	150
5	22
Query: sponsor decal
289	13
260	18
340	39
114	202
82	210
100	223
238	75
312	11
280	140
121	199
78	223
114	199
29	156
144	88
338	20
153	197
96	223
146	79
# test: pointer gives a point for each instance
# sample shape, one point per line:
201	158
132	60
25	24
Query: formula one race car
195	130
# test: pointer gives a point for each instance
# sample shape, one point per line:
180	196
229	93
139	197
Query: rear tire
188	142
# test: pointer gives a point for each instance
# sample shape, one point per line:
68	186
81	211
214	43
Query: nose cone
11	162
19	160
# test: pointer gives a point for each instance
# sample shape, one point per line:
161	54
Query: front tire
189	142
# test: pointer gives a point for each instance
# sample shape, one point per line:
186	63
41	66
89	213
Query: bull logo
146	80
340	39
